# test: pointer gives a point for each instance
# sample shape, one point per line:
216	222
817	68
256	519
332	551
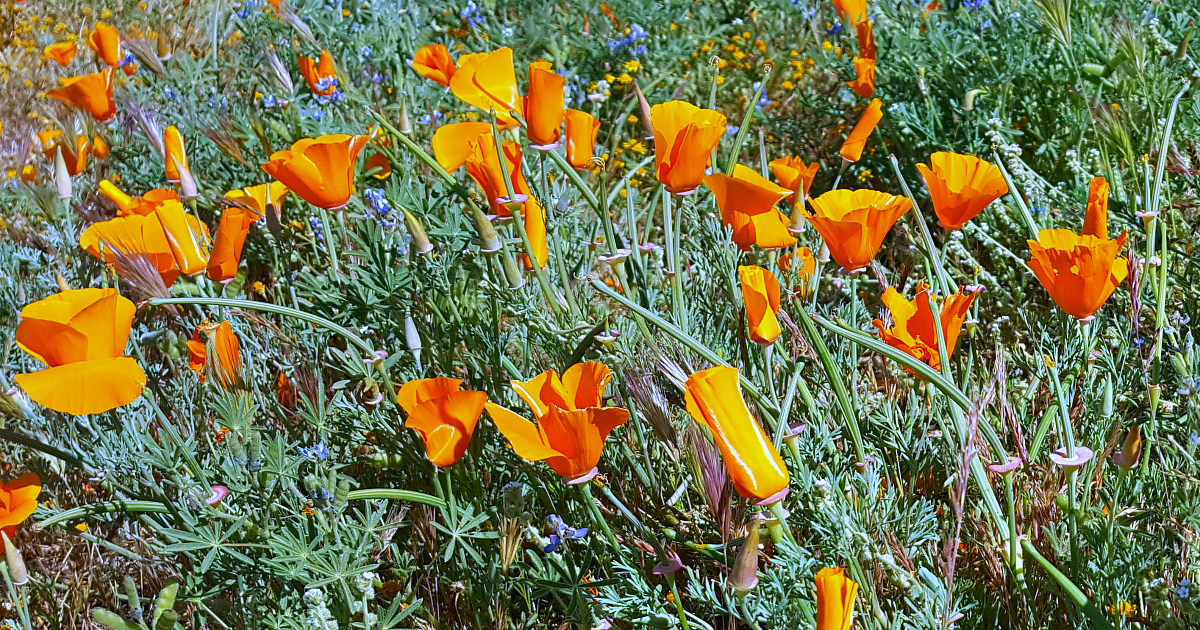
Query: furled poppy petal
488	81
745	191
585	384
188	237
76	325
433	62
446	424
544	105
85	387
768	230
792	173
452	143
320	170
864	83
1095	220
853	147
105	41
854	223
835	599
544	391
866	40
92	93
260	198
579	435
417	392
62	52
760	290
582	129
226	252
176	154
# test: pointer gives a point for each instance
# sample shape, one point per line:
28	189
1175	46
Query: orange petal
522	434
582	129
452	143
1095	221
835	599
227	248
433	62
542	392
446	425
420	391
760	290
585	383
544	106
853	147
18	500
85	387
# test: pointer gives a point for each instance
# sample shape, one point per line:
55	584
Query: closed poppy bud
420	240
747	202
18	501
866	40
1079	272
187	185
100	148
714	398
321	75
760	290
912	326
62	53
124	202
852	11
854	223
835	599
443	415
961	186
62	178
16	563
227	246
1131	451
582	129
176	153
852	148
646	117
684	137
106	43
864	83
93	93
489	81
216	352
433	62
320	170
1095	220
744	577
544	106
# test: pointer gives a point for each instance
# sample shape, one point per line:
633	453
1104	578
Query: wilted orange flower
582	129
747	201
866	40
852	148
433	62
100	148
62	52
792	173
483	165
92	93
18	501
684	137
1095	220
80	335
864	84
227	247
261	198
572	421
175	153
760	290
912	329
321	75
853	223
320	170
544	106
215	352
452	142
443	414
853	11
714	398
106	43
1079	272
489	81
835	599
961	186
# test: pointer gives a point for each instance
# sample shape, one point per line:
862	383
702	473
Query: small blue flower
268	101
562	532
985	24
731	129
365	53
834	30
318	451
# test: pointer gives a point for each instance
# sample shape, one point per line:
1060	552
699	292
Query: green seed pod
131	591
1106	404
112	620
1094	69
342	491
165	601
167	620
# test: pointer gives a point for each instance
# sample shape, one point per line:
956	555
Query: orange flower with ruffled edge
443	414
489	81
1080	272
80	335
760	290
483	165
544	106
62	53
684	137
793	174
320	170
835	599
853	147
433	62
961	186
260	199
866	40
321	75
582	129
215	351
133	235
714	398
93	93
854	223
912	327
1095	220
227	247
864	83
18	501
572	423
747	202
105	41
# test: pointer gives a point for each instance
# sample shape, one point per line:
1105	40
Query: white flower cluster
318	617
365	584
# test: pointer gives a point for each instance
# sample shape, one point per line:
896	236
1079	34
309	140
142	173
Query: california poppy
483	166
684	137
582	129
489	81
260	198
961	186
379	165
1079	272
913	330
189	238
1095	220
866	40
852	148
80	335
747	202
572	423
215	352
29	173
544	106
227	246
433	62
853	223
127	205
864	83
443	414
793	174
75	157
133	235
835	599
176	153
803	263
100	148
321	75
760	290
714	398
18	501
452	142
320	170
92	93
62	52
105	41
853	11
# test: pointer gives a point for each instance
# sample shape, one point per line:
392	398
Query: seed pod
405	124
131	592
420	239
16	563
745	568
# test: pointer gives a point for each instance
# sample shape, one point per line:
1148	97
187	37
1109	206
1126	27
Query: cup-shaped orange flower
912	327
433	62
853	223
852	11
227	246
714	398
866	40
62	53
835	599
760	290
544	106
443	414
18	501
320	170
176	153
216	352
105	41
321	75
80	335
260	199
853	147
1095	220
961	186
864	82
684	137
794	175
1080	272
747	202
582	129
489	81
93	93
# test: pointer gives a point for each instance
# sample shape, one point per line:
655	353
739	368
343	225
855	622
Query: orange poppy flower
961	186
133	235
62	52
75	157
714	398
835	599
321	75
227	247
320	170
175	153
684	137
852	148
379	165
760	290
853	223
544	106
792	174
452	143
189	238
1095	220
483	166
29	173
864	84
572	423
803	262
489	81
582	129
1079	272
105	41
127	205
433	62
443	414
866	40
18	501
913	329
260	198
214	351
747	201
92	93
100	148
853	11
80	335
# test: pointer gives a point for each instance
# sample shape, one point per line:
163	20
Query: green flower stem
683	622
597	517
1011	505
744	130
391	494
833	373
1012	191
1097	617
18	437
330	246
931	251
646	533
785	407
776	510
575	178
674	232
